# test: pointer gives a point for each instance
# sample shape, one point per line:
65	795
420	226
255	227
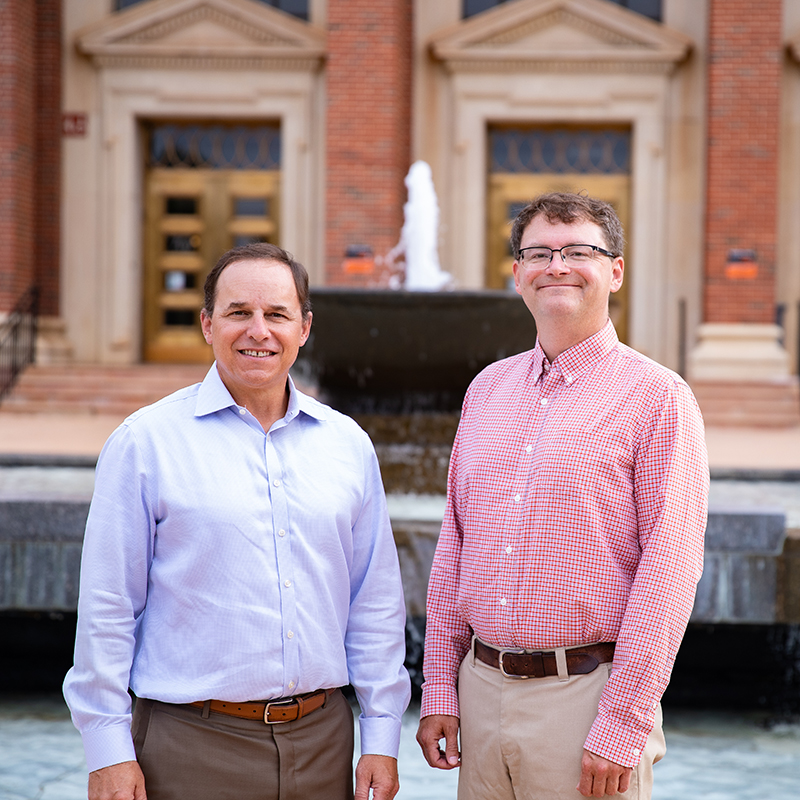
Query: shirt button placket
285	562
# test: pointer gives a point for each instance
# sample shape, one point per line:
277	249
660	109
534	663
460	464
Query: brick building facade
30	150
744	122
684	113
368	72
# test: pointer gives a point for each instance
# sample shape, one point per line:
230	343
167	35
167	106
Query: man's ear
306	328
515	268
205	324
617	274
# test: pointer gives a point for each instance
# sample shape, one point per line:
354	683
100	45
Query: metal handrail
18	339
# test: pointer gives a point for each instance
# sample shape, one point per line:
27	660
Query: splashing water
419	237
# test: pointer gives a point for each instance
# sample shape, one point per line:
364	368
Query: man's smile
257	353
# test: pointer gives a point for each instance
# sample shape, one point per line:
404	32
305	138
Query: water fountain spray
419	236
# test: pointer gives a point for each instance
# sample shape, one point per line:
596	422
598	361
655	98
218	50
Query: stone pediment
203	33
560	35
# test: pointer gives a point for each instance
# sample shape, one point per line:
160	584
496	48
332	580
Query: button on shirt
572	521
224	563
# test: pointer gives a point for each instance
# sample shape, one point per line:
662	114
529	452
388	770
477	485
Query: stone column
739	370
368	76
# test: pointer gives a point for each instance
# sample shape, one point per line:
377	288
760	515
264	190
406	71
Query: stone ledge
759	530
51	521
751	565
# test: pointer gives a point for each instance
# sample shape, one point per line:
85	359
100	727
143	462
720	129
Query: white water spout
419	237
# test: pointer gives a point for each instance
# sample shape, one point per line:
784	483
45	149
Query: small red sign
74	124
359	266
741	270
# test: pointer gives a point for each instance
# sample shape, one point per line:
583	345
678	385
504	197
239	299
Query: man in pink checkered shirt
572	541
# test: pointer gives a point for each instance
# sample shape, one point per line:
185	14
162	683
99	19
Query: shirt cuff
439	698
107	746
618	743
380	736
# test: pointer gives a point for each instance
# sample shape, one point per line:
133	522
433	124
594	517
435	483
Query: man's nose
259	327
558	264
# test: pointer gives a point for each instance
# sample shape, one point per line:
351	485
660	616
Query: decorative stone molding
203	34
206	63
203	13
226	60
739	352
52	344
559	16
560	35
475	65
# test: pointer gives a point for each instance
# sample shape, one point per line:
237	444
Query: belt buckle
503	653
276	703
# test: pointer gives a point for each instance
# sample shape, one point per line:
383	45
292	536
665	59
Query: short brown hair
568	208
258	251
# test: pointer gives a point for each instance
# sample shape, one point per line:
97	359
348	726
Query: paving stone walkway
711	756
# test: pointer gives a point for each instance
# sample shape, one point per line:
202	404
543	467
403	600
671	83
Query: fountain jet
419	236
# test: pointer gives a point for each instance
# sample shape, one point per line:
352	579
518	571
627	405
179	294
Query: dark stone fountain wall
413	449
400	363
385	352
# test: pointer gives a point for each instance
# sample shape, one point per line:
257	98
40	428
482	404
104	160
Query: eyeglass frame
559	250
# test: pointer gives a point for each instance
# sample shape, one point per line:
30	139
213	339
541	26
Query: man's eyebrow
244	304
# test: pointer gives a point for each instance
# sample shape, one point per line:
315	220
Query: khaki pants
523	739
185	756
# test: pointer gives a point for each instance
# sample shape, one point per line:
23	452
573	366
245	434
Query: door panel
192	216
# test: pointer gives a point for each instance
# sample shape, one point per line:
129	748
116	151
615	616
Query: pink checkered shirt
576	508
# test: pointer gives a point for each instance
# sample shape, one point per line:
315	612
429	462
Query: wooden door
192	216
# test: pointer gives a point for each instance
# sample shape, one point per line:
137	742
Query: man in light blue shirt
238	567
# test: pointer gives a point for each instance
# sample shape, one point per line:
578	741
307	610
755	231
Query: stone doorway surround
174	59
544	62
788	250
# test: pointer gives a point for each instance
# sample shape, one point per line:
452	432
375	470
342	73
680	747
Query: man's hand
431	731
600	777
123	781
378	773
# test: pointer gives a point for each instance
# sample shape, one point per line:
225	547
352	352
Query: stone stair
96	389
773	405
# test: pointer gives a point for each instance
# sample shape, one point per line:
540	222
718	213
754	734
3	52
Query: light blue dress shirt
222	562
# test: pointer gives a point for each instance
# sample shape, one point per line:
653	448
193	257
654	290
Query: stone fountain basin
382	351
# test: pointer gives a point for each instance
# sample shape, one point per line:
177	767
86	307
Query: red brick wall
48	149
17	147
30	103
744	75
368	76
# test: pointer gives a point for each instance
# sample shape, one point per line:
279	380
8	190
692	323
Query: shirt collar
302	402
214	396
584	355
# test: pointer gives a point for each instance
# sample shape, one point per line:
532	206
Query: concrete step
97	389
749	404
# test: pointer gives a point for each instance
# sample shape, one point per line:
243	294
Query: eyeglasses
573	255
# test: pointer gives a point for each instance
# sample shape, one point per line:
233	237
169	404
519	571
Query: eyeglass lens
573	256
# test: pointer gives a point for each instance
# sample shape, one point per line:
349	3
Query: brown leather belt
271	712
515	664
